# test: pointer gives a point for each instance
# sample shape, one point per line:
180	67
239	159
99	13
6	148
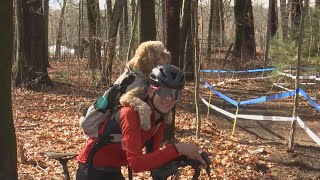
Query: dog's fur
148	55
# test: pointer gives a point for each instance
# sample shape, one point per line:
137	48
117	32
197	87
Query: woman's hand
190	150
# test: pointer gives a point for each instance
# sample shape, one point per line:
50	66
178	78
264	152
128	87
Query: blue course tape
218	93
312	102
268	98
234	71
264	98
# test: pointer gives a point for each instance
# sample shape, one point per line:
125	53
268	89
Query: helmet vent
163	73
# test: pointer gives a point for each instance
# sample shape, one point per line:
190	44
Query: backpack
94	115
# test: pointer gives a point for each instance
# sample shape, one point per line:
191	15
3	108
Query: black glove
172	167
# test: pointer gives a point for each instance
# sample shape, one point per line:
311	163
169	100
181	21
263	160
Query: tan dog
148	55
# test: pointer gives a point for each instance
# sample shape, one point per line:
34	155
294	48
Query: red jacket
131	150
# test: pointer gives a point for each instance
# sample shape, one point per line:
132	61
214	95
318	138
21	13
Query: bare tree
93	13
295	16
163	17
284	12
173	21
147	21
112	34
125	24
32	62
8	155
210	28
274	17
184	31
218	23
109	15
244	47
59	31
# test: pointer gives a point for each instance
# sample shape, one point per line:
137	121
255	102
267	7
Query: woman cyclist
166	84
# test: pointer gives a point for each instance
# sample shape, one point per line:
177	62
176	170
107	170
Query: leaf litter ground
47	119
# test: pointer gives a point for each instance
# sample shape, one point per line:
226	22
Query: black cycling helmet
167	75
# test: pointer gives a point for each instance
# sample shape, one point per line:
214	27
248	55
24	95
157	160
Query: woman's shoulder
128	111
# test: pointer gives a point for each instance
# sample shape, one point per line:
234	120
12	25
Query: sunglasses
164	92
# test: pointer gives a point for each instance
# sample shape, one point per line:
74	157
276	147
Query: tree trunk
59	33
210	29
164	22
109	15
33	53
274	17
284	11
133	8
188	64
245	41
184	30
8	155
112	34
296	8
125	25
81	41
94	34
217	19
133	31
221	16
147	21
173	21
194	21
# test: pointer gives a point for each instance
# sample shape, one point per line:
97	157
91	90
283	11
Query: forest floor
47	119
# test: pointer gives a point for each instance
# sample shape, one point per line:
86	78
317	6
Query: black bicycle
170	169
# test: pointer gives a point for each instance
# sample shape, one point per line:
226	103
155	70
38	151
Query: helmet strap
153	107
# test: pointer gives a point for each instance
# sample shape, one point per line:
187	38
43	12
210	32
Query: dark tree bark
192	43
284	11
109	15
94	34
133	7
147	21
274	17
210	28
33	62
184	30
8	155
164	21
59	33
81	43
245	41
217	23
112	34
296	8
173	21
124	30
125	24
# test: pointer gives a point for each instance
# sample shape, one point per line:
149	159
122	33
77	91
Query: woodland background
213	34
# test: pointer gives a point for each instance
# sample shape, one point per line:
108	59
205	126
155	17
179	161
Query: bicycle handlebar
171	168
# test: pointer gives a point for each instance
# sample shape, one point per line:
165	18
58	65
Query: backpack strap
149	143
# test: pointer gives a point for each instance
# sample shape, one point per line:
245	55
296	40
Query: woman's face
162	104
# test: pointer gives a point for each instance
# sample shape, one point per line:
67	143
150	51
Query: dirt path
271	137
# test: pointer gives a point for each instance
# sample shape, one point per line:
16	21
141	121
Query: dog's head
148	55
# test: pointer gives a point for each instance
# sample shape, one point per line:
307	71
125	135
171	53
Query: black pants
98	173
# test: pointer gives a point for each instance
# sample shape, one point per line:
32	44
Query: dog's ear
165	57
